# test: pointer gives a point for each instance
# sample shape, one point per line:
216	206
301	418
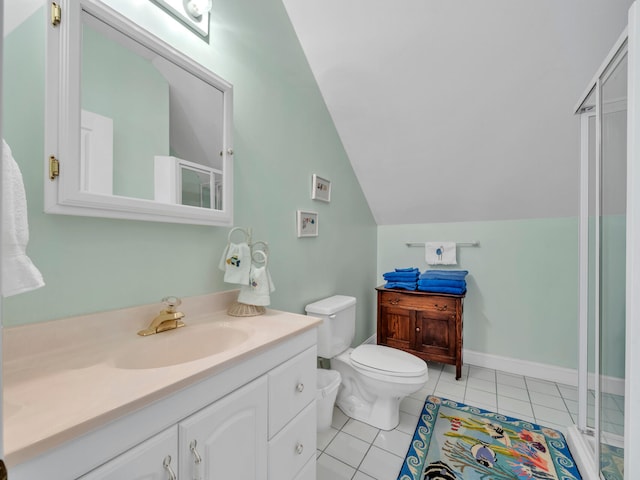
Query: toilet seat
382	360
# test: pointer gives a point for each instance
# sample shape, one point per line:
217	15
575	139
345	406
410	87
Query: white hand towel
236	263
19	274
440	253
257	292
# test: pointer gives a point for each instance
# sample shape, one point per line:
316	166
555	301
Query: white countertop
62	379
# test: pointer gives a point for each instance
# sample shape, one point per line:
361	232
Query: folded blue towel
411	269
401	285
442	283
444	274
401	276
453	290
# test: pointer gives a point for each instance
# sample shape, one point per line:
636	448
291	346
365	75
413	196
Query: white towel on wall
440	253
19	274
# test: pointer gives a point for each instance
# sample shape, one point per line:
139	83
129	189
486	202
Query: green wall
283	134
522	297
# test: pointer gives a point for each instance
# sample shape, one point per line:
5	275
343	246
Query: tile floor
352	450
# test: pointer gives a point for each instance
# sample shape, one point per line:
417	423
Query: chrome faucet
167	319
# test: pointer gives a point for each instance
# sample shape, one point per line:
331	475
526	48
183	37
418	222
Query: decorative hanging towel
440	253
19	274
236	263
257	292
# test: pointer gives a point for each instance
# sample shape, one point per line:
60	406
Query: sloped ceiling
459	110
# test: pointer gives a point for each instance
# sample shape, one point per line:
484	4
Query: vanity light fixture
192	13
197	8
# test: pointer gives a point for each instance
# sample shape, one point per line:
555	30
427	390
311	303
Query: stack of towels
443	281
404	278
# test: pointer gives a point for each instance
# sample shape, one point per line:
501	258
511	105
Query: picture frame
320	189
307	223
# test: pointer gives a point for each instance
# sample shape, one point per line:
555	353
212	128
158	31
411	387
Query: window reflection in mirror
136	106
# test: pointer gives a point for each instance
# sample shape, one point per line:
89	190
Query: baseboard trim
371	340
542	371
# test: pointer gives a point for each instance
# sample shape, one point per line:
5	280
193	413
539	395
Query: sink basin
182	345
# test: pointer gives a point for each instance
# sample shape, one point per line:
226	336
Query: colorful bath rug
454	441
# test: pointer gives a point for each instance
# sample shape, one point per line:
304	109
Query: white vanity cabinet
255	420
292	416
224	440
153	459
227	439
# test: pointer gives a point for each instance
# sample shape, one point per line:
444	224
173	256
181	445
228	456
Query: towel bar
459	244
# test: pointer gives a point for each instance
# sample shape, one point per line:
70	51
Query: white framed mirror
117	99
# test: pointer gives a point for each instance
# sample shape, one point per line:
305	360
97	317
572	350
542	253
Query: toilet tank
338	327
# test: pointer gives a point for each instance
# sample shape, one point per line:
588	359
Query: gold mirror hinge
3	470
56	14
54	170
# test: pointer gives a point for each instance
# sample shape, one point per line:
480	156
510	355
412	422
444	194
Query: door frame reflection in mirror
64	194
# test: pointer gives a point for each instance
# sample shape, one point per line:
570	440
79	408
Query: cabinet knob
417	329
299	448
300	387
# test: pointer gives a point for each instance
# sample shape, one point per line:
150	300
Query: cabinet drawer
292	386
441	304
292	448
418	302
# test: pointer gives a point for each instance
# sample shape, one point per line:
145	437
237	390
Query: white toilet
375	378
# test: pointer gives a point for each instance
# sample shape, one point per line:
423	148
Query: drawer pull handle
166	463
300	387
441	308
395	301
299	449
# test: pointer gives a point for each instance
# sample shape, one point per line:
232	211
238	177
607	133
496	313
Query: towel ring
247	234
262	254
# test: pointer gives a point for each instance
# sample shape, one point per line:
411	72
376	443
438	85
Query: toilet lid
379	358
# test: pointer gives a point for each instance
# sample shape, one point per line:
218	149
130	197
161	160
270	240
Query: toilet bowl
375	378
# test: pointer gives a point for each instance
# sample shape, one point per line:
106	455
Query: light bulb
197	8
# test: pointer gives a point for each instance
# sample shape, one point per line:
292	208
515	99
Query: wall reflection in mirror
150	129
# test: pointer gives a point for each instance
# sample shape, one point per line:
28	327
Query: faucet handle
171	303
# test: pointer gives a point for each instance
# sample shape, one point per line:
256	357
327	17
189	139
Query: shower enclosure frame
585	441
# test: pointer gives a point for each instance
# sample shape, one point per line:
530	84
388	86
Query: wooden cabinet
428	325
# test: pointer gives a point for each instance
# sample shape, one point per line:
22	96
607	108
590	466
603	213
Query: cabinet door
436	334
230	437
395	326
154	459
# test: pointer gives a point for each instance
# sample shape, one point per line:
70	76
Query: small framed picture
307	224
321	189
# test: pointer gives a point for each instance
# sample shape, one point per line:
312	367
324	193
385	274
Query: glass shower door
612	266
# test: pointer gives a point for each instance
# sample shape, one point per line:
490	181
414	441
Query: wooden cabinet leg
458	370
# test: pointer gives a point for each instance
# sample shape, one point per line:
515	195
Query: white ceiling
459	110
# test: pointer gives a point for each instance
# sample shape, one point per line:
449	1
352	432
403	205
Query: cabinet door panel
143	462
398	326
231	436
436	333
